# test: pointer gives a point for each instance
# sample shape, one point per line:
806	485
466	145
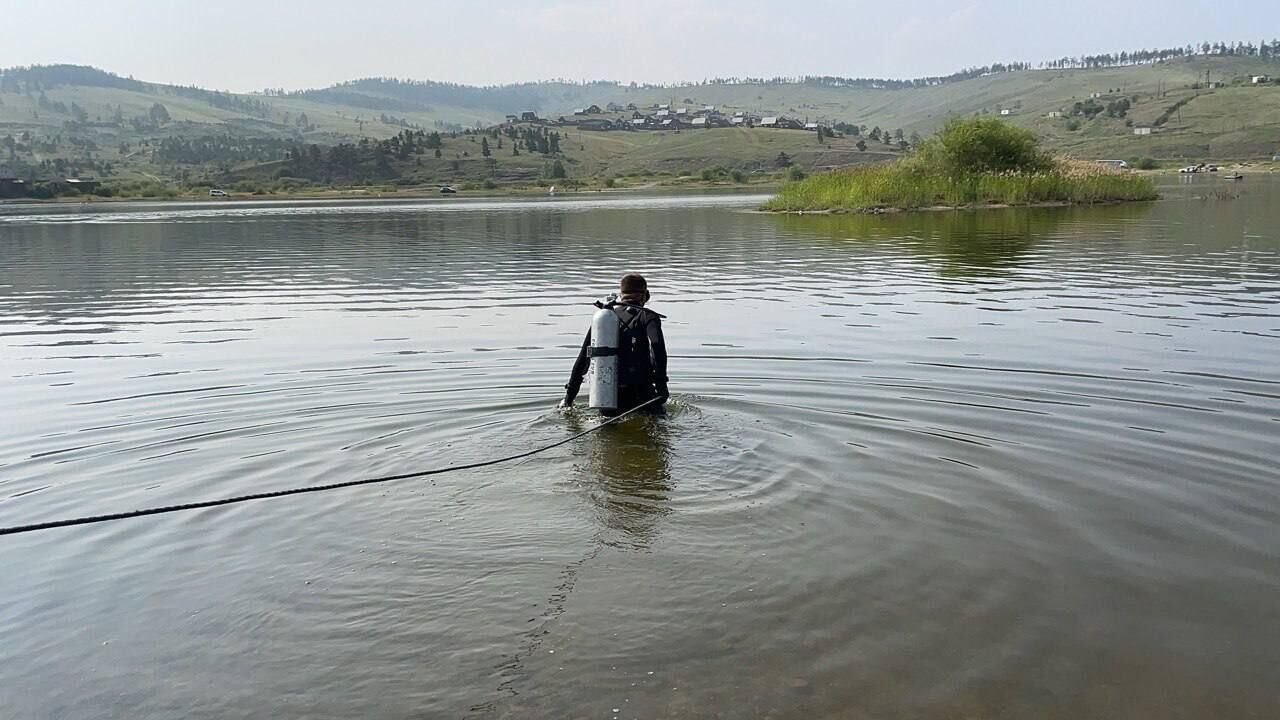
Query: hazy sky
241	45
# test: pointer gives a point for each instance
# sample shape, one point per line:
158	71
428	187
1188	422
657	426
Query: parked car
446	190
215	192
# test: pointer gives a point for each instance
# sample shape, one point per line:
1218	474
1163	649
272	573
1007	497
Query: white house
737	120
1055	114
811	126
1142	130
1006	111
769	122
1259	79
699	122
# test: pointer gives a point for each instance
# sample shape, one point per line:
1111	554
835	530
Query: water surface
1002	464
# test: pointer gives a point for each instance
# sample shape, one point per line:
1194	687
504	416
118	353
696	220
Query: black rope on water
314	488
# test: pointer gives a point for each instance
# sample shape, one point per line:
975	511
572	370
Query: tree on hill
484	147
159	114
862	146
558	171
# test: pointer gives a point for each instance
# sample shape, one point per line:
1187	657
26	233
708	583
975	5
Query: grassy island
970	162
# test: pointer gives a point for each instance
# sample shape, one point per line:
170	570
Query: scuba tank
605	330
604	360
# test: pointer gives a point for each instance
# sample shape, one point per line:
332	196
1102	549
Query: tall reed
910	184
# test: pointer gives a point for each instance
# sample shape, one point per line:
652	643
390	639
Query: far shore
689	184
673	184
946	208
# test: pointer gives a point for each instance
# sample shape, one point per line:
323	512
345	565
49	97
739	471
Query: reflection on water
627	478
995	464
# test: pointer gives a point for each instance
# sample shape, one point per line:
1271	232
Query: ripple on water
988	465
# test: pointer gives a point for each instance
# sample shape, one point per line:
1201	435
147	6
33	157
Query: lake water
1004	464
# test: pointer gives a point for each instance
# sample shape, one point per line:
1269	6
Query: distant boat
446	190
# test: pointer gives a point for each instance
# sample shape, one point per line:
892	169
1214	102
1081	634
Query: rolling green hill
71	120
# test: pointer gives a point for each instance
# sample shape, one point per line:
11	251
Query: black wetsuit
642	358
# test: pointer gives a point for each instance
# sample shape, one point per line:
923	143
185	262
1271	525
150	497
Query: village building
698	123
82	185
1142	130
781	123
11	186
1055	114
1259	79
597	124
529	116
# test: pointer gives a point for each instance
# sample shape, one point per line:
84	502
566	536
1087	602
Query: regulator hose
91	519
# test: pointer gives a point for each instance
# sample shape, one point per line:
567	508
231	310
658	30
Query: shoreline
947	208
675	185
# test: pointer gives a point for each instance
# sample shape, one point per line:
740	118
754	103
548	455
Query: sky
245	46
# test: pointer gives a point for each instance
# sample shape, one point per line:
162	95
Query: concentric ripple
1002	464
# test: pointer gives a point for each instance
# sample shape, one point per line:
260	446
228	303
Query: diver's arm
658	344
579	371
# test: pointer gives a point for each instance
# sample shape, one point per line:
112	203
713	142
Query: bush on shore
970	162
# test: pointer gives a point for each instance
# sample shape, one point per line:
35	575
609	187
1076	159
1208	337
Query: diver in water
627	353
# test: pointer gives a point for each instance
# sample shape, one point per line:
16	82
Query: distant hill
66	118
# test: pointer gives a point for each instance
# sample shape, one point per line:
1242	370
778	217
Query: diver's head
633	290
